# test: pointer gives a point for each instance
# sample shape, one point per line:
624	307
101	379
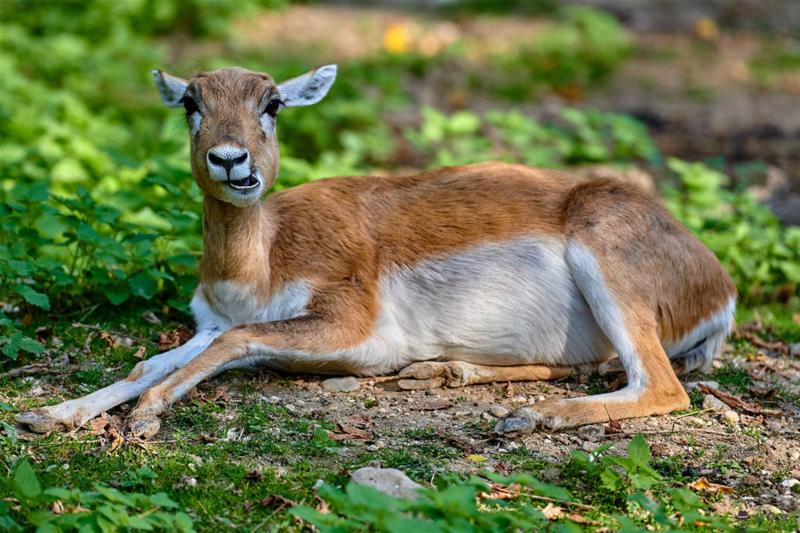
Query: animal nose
228	160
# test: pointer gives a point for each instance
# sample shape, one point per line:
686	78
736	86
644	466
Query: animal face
232	116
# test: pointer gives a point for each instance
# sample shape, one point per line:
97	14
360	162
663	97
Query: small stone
348	384
794	349
771	509
695	385
731	417
540	399
774	425
789	483
591	432
712	402
588	446
499	411
519	399
795	456
317	484
387	480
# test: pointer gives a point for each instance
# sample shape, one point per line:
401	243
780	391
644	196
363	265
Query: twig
736	403
36	368
112	331
562	502
672	431
693	413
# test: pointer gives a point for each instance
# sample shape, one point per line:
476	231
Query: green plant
644	500
102	509
762	256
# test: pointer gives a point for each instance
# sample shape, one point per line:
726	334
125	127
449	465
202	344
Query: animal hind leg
434	374
630	325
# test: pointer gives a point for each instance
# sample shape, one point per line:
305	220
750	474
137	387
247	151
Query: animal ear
309	88
170	87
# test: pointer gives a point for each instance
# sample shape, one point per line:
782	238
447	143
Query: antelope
464	275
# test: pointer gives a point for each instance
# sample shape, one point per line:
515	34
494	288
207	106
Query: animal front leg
434	374
72	414
293	343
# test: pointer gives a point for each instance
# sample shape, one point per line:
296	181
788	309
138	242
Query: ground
242	437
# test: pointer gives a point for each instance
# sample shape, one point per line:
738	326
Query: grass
221	460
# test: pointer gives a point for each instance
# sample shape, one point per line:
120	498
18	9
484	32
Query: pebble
499	411
795	455
348	384
794	349
771	509
774	425
712	402
591	432
588	446
387	480
695	385
732	417
789	483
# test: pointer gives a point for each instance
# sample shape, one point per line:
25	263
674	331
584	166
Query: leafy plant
102	509
762	256
647	502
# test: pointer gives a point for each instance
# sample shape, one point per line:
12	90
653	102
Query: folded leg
434	374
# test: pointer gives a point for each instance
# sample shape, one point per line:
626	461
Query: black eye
190	105
272	107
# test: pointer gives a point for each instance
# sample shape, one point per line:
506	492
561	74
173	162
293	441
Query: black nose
226	162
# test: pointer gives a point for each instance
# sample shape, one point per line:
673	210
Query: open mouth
250	182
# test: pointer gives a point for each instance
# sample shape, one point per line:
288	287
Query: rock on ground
348	384
387	480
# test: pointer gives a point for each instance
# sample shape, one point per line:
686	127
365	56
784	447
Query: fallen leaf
150	317
476	458
796	318
108	429
704	485
552	512
57	507
509	390
501	492
140	352
353	427
172	339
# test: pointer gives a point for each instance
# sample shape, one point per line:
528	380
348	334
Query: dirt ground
756	450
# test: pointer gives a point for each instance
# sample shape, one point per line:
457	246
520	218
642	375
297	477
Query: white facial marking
267	123
194	122
228	162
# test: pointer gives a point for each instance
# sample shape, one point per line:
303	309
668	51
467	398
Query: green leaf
25	481
33	297
11	432
143	286
639	451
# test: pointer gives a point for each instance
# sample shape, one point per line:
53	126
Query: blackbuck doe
472	274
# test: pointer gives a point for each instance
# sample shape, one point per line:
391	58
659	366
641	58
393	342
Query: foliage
102	509
647	502
579	137
581	52
762	256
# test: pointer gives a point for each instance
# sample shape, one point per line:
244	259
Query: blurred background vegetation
97	203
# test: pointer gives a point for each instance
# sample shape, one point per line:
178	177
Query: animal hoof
39	421
144	428
515	423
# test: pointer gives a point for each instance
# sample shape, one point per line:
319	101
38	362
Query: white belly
498	304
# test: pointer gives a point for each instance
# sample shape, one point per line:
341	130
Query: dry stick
670	432
112	331
562	502
36	368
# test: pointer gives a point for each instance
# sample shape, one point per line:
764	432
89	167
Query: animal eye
190	105
272	107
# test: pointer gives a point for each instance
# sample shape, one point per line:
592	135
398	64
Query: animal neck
236	243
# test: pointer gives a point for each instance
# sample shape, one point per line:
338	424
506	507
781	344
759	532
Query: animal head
232	115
